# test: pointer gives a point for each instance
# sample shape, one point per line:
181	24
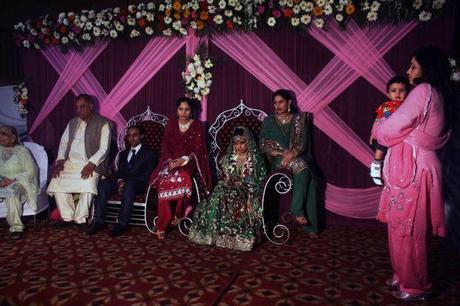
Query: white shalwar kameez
70	182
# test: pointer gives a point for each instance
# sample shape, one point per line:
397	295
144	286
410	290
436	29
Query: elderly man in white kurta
82	160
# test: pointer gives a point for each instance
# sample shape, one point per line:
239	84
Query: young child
397	89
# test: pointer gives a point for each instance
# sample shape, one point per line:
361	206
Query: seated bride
231	216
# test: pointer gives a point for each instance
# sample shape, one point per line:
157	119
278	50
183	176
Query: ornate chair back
153	125
222	128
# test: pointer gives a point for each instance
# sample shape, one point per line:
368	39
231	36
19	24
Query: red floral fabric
174	185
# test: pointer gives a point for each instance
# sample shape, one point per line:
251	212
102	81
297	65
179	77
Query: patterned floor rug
347	265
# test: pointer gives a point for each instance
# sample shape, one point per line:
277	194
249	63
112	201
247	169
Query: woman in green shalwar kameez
285	140
231	216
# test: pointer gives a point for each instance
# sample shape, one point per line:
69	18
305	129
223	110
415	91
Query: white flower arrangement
455	73
197	76
21	98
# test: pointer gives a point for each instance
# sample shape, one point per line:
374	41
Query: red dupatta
177	144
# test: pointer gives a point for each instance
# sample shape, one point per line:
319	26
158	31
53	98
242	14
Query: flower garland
76	30
21	98
303	14
198	76
454	72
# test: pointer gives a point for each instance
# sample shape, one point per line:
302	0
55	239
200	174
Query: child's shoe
376	172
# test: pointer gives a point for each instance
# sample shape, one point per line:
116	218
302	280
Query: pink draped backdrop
356	57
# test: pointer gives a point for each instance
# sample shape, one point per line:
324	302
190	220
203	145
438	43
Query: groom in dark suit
135	164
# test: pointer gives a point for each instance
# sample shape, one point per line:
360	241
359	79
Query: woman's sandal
301	220
160	235
313	235
175	222
407	297
392	283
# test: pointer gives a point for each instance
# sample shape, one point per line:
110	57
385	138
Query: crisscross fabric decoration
357	52
258	59
87	83
254	55
74	68
154	56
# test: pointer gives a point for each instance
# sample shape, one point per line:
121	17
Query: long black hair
288	96
436	71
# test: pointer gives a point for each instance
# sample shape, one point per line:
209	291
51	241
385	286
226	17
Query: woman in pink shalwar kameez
411	201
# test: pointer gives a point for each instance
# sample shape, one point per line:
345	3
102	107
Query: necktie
133	154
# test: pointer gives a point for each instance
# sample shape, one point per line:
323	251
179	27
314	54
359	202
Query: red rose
141	22
229	24
204	5
47	40
287	12
62	29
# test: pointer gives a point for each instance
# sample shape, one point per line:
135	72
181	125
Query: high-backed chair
143	211
41	159
221	133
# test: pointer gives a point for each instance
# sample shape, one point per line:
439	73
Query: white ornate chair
221	132
41	158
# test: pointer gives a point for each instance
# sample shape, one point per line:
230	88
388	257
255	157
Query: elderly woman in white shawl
18	178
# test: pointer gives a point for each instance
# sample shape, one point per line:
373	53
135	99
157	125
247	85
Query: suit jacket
141	167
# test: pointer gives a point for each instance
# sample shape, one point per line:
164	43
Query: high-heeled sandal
392	283
175	222
160	235
407	297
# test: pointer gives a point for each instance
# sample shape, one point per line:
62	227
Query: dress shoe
407	297
15	235
117	230
82	227
62	224
95	227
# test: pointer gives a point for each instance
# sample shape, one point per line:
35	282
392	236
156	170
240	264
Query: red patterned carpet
346	266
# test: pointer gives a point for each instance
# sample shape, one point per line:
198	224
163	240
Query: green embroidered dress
230	217
294	135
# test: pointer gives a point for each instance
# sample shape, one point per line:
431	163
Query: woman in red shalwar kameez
411	201
184	155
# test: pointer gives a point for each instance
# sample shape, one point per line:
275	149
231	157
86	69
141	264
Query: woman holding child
411	201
